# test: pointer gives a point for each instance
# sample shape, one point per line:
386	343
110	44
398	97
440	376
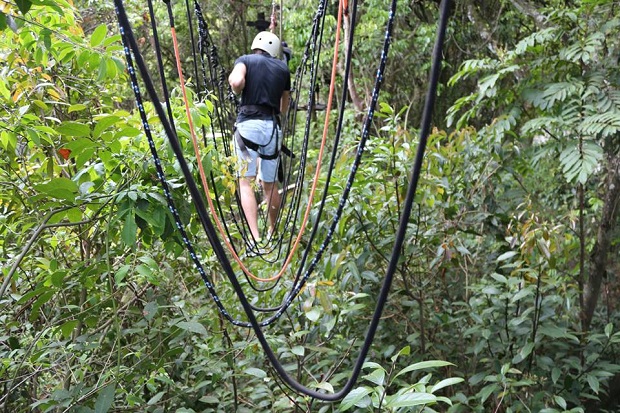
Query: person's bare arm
236	79
284	102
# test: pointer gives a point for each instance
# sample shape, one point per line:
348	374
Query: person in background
264	82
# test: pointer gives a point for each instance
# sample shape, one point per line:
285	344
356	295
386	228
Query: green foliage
566	86
102	310
376	398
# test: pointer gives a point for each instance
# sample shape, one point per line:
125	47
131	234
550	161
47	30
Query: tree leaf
410	399
105	399
98	35
594	383
523	353
67	328
76	108
104	123
298	350
76	129
23	5
423	365
324	385
193	326
446	382
555	331
129	230
314	313
376	377
487	391
253	371
153	400
59	188
524	292
506	255
354	398
559	400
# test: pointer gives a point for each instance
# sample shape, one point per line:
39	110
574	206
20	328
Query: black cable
160	62
210	230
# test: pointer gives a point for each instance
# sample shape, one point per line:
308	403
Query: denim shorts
269	139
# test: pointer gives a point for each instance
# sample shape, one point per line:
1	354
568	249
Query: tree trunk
529	9
358	103
592	287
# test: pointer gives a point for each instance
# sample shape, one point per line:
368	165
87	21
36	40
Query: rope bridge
224	223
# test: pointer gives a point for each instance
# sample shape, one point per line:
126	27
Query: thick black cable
123	21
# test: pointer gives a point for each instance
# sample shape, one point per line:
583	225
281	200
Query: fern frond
470	67
578	165
539	38
583	52
458	105
553	93
601	124
544	123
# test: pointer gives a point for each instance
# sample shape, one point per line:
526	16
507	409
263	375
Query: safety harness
246	143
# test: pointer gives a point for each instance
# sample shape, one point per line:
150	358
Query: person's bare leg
248	203
272	197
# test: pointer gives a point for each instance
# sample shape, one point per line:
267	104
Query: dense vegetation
506	292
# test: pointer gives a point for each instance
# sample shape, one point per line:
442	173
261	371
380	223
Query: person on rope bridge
264	82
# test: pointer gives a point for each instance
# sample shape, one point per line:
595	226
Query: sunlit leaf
98	35
76	129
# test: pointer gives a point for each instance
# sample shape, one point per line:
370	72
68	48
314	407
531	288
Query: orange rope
201	168
274	21
316	175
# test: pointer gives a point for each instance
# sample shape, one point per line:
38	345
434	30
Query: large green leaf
98	35
60	188
578	164
70	128
356	397
410	400
23	5
193	326
3	24
423	365
105	399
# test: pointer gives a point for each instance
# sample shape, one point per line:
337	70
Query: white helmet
268	42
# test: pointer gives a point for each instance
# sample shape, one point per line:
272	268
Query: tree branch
43	226
527	8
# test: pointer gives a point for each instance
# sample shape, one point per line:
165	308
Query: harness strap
246	143
253	109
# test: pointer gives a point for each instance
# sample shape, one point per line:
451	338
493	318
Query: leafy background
505	296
